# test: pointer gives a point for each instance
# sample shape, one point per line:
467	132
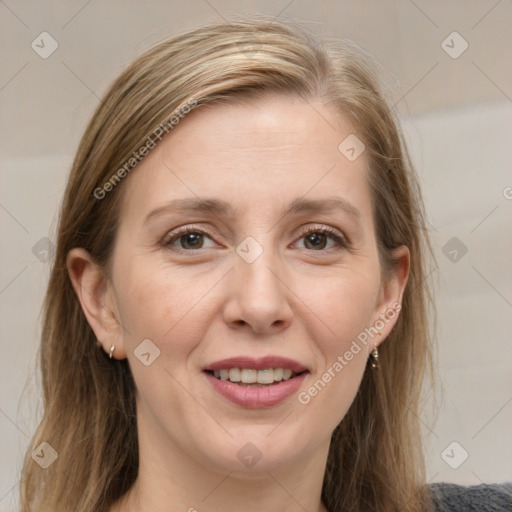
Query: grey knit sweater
475	498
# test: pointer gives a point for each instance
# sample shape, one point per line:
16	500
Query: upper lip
260	363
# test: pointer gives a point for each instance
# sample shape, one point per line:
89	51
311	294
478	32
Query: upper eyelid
321	228
180	231
300	232
327	229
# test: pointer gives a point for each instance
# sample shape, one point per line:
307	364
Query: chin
254	452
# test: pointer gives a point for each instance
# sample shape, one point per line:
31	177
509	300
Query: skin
298	300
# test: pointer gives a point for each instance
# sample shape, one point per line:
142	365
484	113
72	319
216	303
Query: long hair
375	461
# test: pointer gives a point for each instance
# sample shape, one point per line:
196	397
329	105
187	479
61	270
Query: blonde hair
375	462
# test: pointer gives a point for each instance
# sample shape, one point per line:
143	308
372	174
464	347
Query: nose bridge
259	295
261	275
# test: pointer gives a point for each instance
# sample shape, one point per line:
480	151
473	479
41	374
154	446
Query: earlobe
96	299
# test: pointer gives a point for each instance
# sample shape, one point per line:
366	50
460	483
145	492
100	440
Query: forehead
272	149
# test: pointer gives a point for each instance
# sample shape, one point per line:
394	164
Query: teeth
235	375
266	376
250	376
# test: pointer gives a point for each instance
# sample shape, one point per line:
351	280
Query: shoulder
478	498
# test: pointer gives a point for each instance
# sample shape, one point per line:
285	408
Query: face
247	236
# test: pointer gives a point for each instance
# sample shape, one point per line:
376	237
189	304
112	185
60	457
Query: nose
258	296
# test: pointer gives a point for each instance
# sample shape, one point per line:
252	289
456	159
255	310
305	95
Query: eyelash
179	232
330	232
340	240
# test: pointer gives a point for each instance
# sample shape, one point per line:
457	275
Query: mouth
256	383
253	378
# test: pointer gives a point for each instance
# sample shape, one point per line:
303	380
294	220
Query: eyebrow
222	208
327	205
192	204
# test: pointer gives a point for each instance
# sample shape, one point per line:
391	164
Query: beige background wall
458	116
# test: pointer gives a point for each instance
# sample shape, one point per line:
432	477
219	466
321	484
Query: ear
391	292
97	299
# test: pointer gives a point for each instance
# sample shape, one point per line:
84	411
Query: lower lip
256	398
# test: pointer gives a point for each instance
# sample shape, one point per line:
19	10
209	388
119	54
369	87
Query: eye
318	239
188	239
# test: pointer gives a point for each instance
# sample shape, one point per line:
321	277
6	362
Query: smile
254	378
256	383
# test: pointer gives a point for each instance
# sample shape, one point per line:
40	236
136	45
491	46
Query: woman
237	313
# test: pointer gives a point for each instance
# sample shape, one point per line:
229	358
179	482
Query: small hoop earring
112	348
375	358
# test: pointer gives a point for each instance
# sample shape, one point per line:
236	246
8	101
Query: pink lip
256	398
257	364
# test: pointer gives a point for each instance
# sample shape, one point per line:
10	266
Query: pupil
191	240
316	240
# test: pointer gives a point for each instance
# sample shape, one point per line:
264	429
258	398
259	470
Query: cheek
343	303
163	304
173	309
